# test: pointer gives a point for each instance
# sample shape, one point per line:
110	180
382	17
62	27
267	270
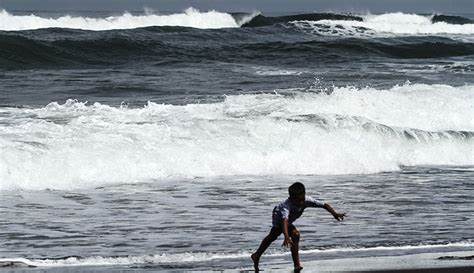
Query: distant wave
260	20
189	18
395	48
395	23
168	38
388	25
178	258
64	47
76	145
451	19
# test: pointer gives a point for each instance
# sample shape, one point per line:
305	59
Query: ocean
143	141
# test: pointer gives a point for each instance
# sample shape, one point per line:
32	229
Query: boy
284	214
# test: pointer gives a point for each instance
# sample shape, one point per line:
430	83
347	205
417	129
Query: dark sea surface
147	141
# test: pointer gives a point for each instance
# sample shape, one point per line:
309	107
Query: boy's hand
287	242
339	216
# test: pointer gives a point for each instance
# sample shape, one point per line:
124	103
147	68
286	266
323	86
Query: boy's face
299	200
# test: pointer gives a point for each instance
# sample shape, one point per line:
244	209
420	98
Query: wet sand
452	262
469	269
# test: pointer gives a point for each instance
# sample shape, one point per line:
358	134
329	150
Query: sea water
163	141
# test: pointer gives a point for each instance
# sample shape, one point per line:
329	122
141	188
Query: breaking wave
261	20
321	23
349	131
390	24
189	18
215	36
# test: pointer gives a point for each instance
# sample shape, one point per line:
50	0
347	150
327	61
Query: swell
451	19
260	20
404	48
58	47
81	47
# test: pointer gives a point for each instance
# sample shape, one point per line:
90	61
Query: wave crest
389	24
189	18
393	23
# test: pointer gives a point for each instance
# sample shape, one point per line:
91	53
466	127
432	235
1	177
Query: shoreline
439	262
463	269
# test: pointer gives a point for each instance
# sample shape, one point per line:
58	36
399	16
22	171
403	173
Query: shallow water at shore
201	221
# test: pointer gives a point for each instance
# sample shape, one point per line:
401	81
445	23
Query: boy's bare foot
255	262
298	268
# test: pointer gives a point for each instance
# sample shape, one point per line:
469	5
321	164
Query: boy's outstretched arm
287	241
337	216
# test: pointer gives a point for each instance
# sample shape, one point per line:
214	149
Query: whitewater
382	24
385	25
350	131
189	18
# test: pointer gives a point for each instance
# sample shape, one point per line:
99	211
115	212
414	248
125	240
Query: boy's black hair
296	189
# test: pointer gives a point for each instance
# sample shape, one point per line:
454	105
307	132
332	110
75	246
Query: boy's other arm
337	216
287	242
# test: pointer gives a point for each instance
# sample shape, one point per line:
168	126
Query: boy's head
297	193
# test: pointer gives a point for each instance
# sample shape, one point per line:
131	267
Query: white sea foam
388	24
385	24
278	72
77	145
189	18
191	257
427	107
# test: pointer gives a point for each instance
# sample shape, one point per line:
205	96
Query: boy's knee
295	234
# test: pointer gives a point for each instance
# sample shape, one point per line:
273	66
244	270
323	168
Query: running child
284	214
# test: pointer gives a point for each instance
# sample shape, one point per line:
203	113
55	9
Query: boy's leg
272	236
295	237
